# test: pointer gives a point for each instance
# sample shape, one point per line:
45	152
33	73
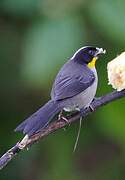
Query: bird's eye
91	52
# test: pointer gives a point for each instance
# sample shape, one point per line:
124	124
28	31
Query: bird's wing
69	84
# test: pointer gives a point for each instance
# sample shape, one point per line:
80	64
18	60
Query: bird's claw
91	108
61	117
65	119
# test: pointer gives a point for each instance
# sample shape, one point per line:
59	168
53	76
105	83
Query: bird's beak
100	51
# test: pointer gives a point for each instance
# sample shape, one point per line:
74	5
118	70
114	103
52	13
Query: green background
36	39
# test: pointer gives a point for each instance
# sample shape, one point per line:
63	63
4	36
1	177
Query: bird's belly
81	100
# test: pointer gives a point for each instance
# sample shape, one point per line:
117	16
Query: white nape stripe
77	52
100	50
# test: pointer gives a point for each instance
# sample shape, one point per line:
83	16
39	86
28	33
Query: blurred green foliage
36	39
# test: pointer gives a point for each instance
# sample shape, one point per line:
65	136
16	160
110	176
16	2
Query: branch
26	142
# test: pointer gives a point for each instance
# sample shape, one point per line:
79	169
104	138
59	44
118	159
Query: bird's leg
60	116
90	106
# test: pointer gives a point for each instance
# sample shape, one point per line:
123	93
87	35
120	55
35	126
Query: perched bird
74	88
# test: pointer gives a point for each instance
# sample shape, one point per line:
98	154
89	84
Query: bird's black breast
72	79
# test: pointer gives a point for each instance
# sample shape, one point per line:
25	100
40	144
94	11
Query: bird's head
88	55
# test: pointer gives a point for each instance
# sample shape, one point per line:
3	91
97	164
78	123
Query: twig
52	127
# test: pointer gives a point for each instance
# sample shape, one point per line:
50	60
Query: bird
74	88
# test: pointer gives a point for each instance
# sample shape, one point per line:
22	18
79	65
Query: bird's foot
91	108
83	111
61	117
95	98
65	119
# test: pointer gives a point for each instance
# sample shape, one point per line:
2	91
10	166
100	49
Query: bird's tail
39	119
